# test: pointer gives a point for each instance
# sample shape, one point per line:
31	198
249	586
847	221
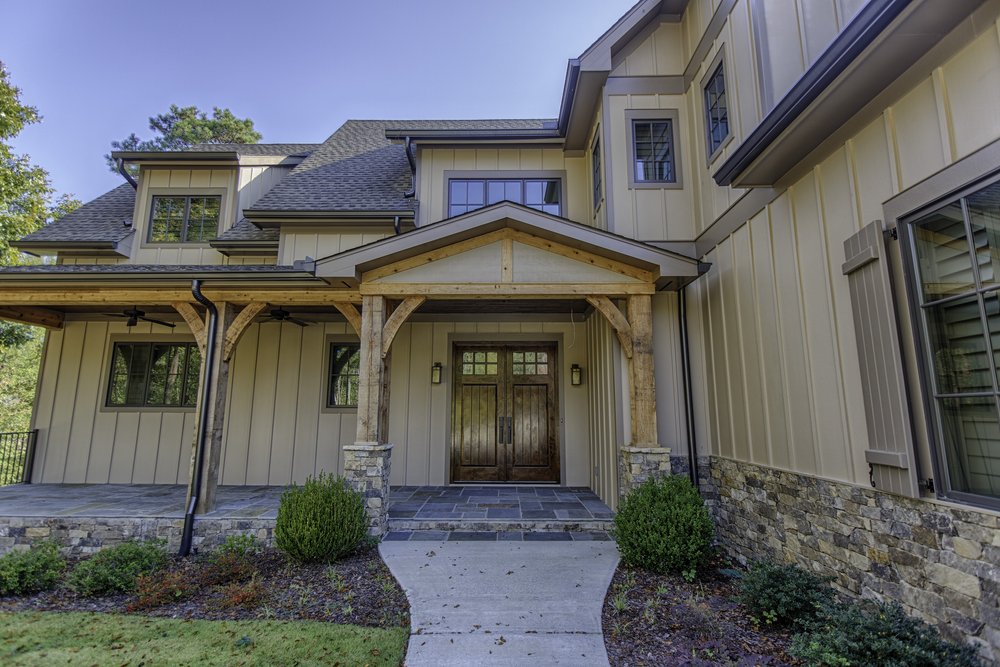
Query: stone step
502	525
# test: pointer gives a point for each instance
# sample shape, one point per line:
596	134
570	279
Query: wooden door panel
478	425
529	412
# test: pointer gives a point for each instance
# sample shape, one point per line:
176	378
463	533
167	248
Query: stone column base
366	468
637	464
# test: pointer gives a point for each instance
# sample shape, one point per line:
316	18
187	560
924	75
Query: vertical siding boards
600	379
891	453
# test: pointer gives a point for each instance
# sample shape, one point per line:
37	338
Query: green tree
24	188
182	127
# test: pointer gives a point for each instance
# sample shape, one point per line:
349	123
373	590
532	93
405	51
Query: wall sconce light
436	373
576	375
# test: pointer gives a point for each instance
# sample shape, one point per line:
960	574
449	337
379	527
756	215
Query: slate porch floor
133	501
505	503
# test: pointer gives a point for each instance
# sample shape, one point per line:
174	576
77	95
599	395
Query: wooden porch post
640	315
371	375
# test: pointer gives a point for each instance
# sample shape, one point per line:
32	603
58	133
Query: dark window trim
597	181
188	196
485	177
653	115
331	343
145	405
716	69
901	212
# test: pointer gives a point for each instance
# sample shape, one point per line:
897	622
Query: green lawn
74	638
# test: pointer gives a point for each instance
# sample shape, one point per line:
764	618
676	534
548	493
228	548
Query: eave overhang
227	158
276	218
877	47
300	275
671	270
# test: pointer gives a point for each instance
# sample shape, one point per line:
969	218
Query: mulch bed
653	619
359	590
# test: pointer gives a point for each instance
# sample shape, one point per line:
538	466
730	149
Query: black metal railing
17	456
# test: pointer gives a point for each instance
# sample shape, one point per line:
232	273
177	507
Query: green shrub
784	594
37	569
663	526
238	547
876	635
115	569
321	521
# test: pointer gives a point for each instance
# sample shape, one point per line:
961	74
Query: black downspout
201	436
688	398
412	192
124	172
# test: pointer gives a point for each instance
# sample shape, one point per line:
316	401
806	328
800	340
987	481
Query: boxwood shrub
876	635
116	569
321	521
663	526
30	571
784	594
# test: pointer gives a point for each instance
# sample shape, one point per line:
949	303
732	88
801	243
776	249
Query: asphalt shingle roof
257	149
244	230
98	221
35	269
358	169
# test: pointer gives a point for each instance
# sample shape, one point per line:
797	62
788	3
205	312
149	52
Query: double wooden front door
504	415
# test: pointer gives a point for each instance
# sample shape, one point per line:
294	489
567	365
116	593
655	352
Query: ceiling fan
135	315
282	315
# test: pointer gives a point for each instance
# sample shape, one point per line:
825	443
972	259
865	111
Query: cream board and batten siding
278	429
81	441
776	366
297	243
434	162
183	180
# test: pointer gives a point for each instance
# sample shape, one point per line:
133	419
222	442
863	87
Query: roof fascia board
878	46
220	157
272	219
162	277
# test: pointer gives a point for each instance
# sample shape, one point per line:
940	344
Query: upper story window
544	194
595	166
184	219
716	110
653	151
154	375
957	251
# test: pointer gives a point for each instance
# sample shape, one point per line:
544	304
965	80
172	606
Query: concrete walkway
504	603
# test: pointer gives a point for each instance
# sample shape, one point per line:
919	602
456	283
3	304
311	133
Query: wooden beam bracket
239	326
619	322
39	317
194	321
395	321
350	312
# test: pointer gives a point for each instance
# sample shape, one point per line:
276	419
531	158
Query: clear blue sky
98	70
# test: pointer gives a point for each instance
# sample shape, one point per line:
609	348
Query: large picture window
345	360
188	219
154	375
544	194
956	250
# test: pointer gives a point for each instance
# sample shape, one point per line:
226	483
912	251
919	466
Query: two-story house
756	244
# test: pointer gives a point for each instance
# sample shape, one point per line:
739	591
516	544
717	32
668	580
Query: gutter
569	93
124	172
201	437
859	34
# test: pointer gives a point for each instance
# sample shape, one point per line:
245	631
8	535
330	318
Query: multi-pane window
957	255
653	151
716	110
595	166
480	363
345	360
154	375
530	363
193	219
466	195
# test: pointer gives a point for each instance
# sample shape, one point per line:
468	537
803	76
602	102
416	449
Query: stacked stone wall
940	561
87	535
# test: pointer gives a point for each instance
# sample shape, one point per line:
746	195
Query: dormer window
184	219
544	194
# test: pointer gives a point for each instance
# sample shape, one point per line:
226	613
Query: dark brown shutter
890	434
